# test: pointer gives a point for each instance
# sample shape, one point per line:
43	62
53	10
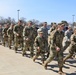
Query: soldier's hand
27	39
17	34
38	48
57	49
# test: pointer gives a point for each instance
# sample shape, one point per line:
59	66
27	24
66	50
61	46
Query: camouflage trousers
53	54
5	40
72	50
40	53
10	41
67	43
1	38
28	45
18	42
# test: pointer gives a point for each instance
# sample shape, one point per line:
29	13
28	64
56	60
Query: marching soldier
40	45
45	34
18	35
72	46
66	40
34	31
28	39
56	48
10	35
5	36
53	27
1	36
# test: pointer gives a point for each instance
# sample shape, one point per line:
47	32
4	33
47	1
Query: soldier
34	31
18	35
53	27
56	48
45	34
1	36
5	37
66	40
72	46
40	45
10	35
28	39
45	30
52	31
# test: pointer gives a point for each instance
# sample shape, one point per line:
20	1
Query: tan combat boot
34	58
45	65
61	72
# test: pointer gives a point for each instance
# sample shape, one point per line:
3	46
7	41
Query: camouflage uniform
1	35
10	37
45	34
28	44
71	48
41	43
34	31
53	27
56	41
66	40
5	37
18	40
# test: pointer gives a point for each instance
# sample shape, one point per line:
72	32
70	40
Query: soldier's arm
72	41
3	31
25	33
53	39
36	43
14	30
8	32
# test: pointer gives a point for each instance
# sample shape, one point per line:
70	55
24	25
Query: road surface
12	63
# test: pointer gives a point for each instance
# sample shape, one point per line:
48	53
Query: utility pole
18	14
73	19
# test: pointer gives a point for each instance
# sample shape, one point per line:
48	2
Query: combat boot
61	72
42	62
31	55
45	65
9	47
63	61
15	49
34	58
3	44
23	53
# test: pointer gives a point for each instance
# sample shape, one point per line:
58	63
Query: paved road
12	63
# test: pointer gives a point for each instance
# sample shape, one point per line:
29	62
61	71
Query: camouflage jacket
58	38
40	42
10	32
18	30
73	39
5	31
28	33
1	31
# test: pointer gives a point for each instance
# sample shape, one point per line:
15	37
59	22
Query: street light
18	14
73	19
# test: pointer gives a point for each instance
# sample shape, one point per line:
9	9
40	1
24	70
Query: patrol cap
39	31
61	24
53	23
